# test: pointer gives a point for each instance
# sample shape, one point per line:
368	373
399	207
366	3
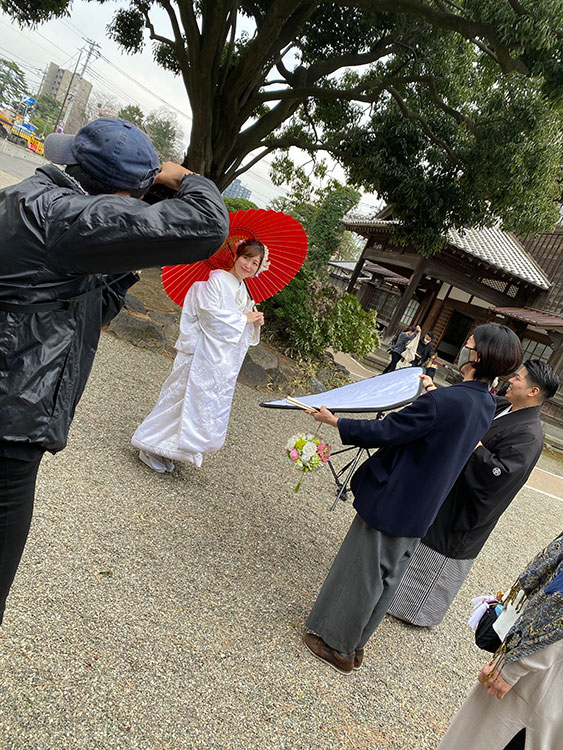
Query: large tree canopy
449	110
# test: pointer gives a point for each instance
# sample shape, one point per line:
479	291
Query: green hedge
309	315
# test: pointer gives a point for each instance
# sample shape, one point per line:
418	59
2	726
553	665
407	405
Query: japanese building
480	275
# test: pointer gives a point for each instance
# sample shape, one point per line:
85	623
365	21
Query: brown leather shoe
358	658
316	645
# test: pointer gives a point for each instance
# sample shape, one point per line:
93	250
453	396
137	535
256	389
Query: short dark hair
542	375
499	349
430	334
94	187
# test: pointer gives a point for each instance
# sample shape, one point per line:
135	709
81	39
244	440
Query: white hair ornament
265	265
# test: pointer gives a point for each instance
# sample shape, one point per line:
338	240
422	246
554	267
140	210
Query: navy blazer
422	450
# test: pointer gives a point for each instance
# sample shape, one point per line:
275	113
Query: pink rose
324	452
294	454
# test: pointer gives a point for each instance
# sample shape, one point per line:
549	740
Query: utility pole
66	94
91	51
43	77
74	84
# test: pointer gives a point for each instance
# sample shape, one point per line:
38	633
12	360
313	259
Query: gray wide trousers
360	586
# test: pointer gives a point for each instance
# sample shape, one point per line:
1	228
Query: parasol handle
300	404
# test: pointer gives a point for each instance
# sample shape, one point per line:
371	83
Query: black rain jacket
57	247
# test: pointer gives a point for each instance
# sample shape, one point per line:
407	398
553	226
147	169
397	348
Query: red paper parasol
284	237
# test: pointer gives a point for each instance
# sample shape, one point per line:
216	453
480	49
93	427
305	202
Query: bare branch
446	20
330	145
279	26
448	3
284	72
457	116
253	10
408	115
232	22
232	172
275	82
325	68
487	50
310	119
178	36
152	32
517	8
189	22
357	93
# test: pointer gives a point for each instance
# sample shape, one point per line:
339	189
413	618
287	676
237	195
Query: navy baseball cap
112	151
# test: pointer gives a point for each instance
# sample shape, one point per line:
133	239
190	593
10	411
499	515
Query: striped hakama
428	587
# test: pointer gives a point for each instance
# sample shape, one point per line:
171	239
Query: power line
33	31
101	80
170	106
17	58
72	27
147	90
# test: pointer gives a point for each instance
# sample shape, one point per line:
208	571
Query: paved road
19	166
547	483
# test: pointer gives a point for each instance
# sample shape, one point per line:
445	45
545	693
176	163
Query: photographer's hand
171	174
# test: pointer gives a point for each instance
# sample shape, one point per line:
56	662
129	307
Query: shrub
355	328
308	316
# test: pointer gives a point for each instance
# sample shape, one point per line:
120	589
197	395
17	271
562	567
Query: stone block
141	332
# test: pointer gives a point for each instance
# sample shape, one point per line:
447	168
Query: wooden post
357	270
407	295
556	359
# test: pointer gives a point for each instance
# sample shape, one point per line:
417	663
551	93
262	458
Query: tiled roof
346	265
493	246
529	315
387	274
354	221
499	249
350	265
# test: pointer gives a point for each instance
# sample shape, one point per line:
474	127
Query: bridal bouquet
308	452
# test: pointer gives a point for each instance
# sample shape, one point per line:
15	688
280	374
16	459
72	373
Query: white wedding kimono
192	412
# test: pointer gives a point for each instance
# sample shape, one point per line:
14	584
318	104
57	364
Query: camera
157	193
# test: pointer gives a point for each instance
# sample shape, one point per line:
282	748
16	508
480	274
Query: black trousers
17	493
395	357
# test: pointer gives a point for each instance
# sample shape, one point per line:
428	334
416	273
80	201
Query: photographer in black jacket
69	242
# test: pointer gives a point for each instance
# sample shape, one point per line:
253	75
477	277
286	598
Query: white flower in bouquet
291	442
309	450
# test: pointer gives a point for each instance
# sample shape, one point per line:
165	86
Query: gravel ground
165	612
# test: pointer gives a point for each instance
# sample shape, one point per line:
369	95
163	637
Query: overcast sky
131	79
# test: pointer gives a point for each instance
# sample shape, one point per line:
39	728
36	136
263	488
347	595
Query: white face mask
465	356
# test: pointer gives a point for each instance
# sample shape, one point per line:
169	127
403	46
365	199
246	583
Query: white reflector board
381	393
